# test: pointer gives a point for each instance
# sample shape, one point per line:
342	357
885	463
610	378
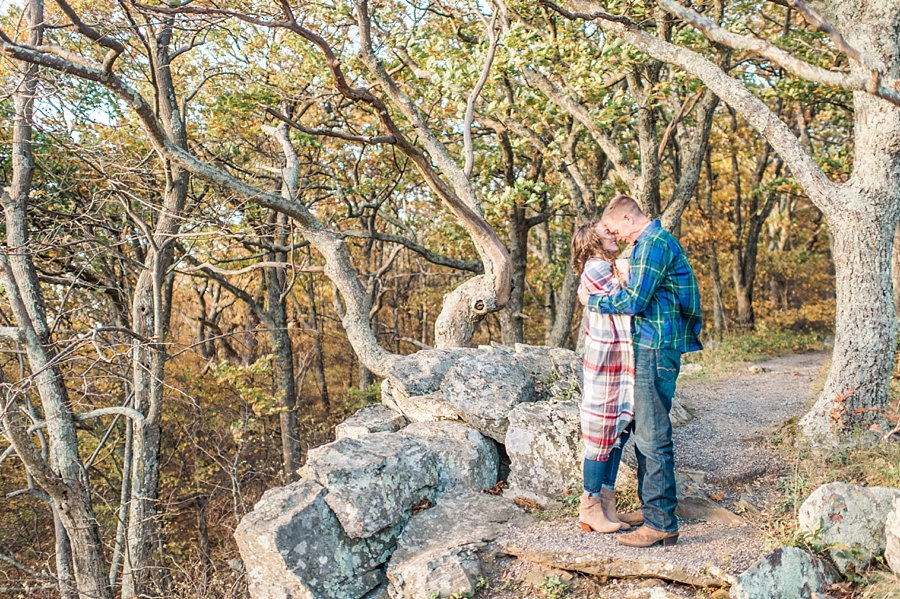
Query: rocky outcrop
484	387
378	418
892	537
851	517
438	552
545	447
467	460
293	546
374	481
786	573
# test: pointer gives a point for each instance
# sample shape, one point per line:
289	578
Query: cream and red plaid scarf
607	402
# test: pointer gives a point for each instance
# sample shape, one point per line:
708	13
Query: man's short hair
621	205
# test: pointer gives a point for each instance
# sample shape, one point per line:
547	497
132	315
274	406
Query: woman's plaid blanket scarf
607	402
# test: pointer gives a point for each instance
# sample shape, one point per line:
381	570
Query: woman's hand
583	295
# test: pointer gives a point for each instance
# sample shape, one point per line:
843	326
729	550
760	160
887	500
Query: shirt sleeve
648	263
598	278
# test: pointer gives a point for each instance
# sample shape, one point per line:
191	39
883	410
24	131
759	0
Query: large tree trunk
856	390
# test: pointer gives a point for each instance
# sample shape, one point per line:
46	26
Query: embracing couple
642	314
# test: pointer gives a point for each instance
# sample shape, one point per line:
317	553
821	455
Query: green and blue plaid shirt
662	294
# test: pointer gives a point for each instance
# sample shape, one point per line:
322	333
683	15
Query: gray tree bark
63	476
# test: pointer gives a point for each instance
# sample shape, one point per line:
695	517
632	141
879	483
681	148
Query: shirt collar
653	227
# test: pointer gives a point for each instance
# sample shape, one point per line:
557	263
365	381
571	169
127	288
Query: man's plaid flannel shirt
662	294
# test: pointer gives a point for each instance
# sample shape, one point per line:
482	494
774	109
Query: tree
862	212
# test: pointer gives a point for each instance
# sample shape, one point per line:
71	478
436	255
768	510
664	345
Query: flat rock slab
706	554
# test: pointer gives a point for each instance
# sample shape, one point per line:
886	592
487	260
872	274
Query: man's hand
583	295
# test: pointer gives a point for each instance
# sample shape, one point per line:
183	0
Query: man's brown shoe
635	518
648	537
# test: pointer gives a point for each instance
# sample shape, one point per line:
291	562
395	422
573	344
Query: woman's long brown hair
587	244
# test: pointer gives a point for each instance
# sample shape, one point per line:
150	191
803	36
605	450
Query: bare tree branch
475	266
822	190
876	84
470	103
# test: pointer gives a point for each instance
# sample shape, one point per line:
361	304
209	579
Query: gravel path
733	418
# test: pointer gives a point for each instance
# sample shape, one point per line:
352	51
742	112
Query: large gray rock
892	534
438	551
430	407
545	447
292	546
374	481
852	517
423	372
370	419
484	387
467	460
786	573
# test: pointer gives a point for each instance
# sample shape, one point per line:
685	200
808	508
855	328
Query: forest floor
729	452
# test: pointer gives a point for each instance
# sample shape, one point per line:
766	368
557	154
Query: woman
607	403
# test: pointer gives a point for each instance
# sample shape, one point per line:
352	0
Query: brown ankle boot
608	504
648	537
635	518
592	517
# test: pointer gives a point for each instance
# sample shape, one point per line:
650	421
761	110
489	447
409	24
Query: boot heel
670	541
586	527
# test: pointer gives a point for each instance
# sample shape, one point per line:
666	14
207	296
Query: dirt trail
732	417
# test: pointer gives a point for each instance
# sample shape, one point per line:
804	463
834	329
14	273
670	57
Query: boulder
467	460
371	419
430	407
438	552
292	546
851	517
545	447
484	387
786	573
892	534
423	372
374	481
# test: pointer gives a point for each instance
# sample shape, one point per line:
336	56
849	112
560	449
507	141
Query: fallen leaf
421	505
717	496
496	489
527	504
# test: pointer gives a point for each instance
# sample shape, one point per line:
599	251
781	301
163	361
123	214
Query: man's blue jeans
654	386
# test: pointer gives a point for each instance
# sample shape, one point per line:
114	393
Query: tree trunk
511	330
318	352
565	308
743	291
150	320
856	390
895	269
719	325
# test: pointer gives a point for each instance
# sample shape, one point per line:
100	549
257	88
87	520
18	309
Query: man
664	301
